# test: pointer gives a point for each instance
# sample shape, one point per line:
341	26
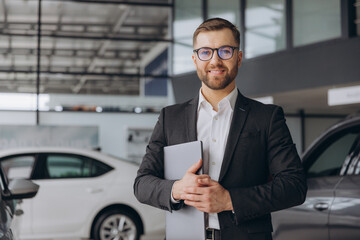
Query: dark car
332	207
10	193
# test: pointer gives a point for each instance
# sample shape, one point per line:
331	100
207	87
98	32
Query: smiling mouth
216	71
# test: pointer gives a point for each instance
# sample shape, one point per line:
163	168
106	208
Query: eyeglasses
206	53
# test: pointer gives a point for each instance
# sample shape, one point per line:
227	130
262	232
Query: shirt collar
231	98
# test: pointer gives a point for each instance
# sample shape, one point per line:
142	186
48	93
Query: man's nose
215	59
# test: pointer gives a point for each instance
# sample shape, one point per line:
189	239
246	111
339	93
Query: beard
217	82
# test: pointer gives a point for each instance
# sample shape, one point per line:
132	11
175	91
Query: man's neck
215	96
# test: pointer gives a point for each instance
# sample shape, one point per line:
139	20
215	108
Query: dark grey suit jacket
261	168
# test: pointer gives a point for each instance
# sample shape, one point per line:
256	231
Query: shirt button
213	163
216	118
214	140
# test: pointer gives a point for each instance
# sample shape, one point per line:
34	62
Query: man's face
217	74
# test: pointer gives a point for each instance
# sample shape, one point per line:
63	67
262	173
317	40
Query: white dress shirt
213	130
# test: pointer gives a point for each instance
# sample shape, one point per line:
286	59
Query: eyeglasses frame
213	50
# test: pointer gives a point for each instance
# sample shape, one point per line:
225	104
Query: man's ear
240	55
194	58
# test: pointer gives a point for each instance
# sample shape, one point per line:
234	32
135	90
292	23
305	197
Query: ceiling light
138	110
58	108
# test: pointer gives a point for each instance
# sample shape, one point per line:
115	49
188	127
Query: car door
7	210
322	165
344	221
68	192
21	166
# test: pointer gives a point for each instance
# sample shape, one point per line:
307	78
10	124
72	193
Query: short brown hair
214	24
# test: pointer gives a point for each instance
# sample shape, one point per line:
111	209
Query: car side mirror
20	189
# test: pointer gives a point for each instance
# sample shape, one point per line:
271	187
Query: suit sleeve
288	185
150	187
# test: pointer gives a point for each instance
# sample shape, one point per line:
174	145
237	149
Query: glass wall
265	27
315	21
188	15
227	9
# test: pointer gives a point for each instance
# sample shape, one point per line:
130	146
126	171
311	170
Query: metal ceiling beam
135	75
72	50
141	4
86	35
72	57
56	80
85	24
111	37
135	32
123	88
69	69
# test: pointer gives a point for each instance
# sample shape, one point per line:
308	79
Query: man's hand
209	197
190	179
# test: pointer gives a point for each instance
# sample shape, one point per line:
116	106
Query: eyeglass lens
224	53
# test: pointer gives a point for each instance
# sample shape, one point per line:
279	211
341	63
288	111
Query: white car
83	195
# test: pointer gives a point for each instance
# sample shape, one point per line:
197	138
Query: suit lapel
240	114
191	113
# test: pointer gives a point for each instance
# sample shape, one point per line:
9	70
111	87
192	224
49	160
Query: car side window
62	166
351	165
18	166
73	166
330	161
99	168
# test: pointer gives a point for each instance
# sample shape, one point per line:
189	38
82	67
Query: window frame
36	158
325	140
43	161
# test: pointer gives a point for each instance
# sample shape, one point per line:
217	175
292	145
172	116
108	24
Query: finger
191	197
206	181
196	190
203	176
195	167
192	190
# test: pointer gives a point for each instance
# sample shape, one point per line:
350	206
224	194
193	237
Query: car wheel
117	224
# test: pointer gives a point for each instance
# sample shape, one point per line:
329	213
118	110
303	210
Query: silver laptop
188	223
